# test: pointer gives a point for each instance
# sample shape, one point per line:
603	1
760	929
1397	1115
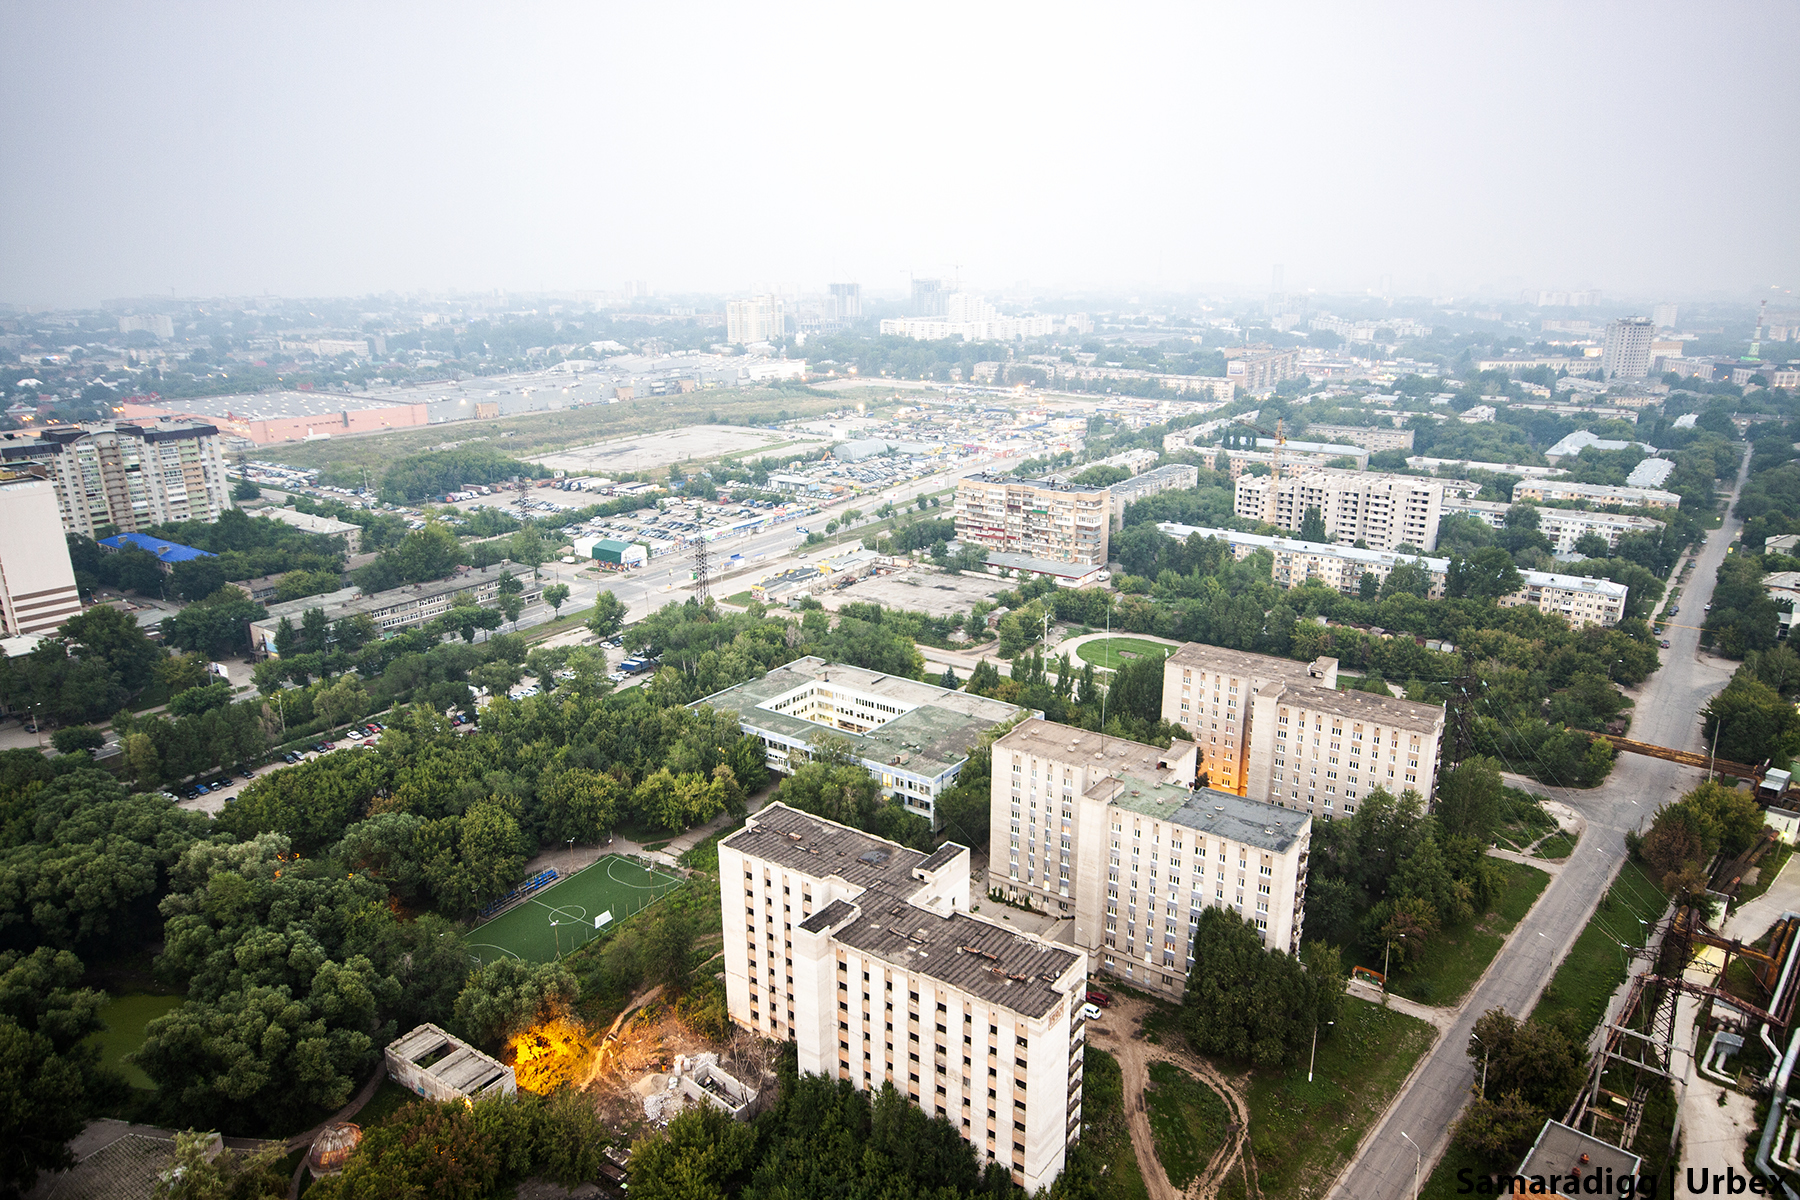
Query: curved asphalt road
1667	713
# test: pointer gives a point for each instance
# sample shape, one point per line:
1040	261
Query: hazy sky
319	149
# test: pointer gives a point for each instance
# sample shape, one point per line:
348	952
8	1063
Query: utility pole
1461	716
701	564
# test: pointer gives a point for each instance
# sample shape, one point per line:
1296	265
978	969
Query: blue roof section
171	552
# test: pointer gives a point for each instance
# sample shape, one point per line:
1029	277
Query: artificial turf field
561	918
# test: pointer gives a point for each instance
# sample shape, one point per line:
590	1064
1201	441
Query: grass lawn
1457	957
1767	870
388	1099
741	599
1105	1137
1524	821
127	1017
549	629
1108	653
1303	1133
1556	847
1188	1119
1577	993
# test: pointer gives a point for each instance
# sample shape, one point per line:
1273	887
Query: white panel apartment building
1323	751
37	580
1245	711
758	319
864	954
128	476
1582	601
1061	522
1114	833
1371	438
1207	690
1384	511
1562	526
1594	493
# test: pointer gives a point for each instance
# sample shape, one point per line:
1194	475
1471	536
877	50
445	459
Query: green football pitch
571	912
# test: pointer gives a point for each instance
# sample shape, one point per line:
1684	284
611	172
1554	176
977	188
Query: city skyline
567	148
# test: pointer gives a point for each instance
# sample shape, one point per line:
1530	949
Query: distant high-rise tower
1627	351
758	319
846	302
1664	316
928	297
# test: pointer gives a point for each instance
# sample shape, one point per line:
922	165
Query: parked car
290	757
1090	1012
1664	643
355	735
1103	999
202	790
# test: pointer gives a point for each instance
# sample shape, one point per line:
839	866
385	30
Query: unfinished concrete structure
696	1079
440	1067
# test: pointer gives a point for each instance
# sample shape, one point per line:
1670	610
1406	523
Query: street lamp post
1418	1162
1314	1056
1484	1062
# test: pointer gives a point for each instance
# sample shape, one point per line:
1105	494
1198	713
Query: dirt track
1119	1032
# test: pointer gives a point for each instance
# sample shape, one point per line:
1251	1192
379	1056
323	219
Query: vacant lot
546	432
693	443
918	591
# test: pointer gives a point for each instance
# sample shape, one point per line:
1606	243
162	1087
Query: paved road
666	580
1667	714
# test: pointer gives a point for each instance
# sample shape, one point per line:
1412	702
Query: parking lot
648	452
216	798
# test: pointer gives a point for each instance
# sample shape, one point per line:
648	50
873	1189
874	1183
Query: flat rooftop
1206	810
814	846
1370	706
1560	1150
1065	743
1254	666
934	735
999	965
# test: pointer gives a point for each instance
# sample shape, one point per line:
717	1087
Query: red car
1101	998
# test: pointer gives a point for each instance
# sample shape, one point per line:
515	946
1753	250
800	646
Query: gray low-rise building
402	607
913	737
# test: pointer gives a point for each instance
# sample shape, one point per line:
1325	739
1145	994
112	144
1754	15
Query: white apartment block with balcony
1207	691
1562	527
1114	833
865	955
1293	562
1383	511
128	476
1322	752
1594	493
1038	518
